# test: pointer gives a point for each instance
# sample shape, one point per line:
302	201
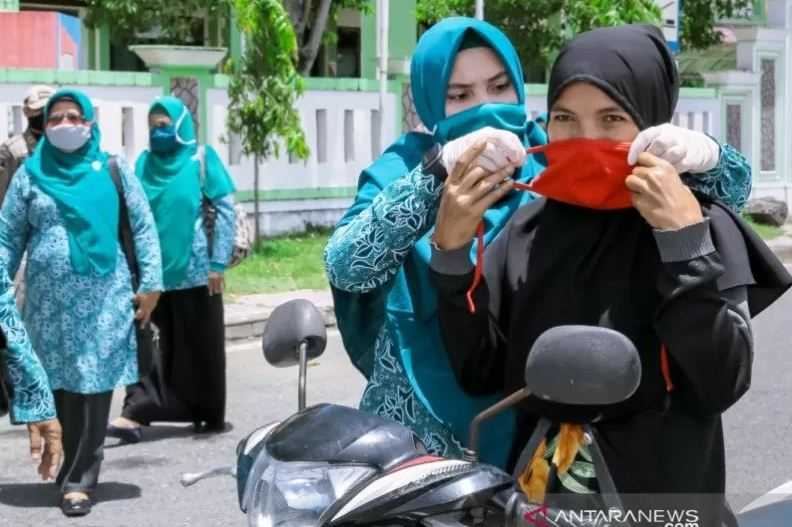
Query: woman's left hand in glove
686	150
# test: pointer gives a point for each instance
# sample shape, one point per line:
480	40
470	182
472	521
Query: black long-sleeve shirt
654	442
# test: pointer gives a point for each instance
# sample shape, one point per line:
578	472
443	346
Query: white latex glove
686	150
503	149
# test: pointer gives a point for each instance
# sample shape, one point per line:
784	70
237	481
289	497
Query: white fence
341	127
122	113
697	110
342	130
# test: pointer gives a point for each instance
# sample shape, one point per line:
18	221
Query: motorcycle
334	466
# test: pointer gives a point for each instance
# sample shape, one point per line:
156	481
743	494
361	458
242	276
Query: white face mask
69	137
178	124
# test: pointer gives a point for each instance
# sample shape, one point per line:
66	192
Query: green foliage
583	15
310	19
180	22
766	232
285	263
700	17
265	83
364	6
540	27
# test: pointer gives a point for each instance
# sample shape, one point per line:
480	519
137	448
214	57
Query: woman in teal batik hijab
467	84
377	259
178	175
62	209
78	181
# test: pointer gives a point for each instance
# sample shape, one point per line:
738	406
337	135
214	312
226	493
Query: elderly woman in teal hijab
181	178
62	208
468	88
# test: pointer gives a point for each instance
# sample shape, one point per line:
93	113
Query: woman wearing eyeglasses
62	208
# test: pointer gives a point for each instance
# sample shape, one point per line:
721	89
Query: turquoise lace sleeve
224	232
144	229
32	399
14	226
367	252
729	182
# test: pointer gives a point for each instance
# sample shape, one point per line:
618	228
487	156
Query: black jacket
655	442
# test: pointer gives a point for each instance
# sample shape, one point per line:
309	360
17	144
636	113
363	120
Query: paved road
140	483
759	427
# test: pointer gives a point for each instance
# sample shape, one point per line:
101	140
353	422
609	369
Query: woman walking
182	179
62	208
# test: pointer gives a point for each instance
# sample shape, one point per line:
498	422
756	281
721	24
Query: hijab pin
96	165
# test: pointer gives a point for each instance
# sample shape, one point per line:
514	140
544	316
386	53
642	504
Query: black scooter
334	466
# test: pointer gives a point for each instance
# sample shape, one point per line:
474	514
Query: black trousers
84	421
189	381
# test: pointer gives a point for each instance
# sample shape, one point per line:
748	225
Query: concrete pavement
782	245
246	315
139	485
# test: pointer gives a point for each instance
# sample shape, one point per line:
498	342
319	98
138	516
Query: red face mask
585	172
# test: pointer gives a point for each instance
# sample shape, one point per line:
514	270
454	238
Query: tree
539	28
699	23
265	85
176	22
310	20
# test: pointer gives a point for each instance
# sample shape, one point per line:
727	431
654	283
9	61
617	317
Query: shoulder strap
202	162
124	227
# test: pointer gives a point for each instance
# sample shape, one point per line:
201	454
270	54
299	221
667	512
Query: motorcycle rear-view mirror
585	365
290	326
295	333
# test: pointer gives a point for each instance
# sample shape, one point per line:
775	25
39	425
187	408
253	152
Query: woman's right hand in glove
469	191
502	148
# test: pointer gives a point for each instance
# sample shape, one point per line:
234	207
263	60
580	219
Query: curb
252	326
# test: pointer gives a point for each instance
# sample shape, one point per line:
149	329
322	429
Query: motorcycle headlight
295	494
248	451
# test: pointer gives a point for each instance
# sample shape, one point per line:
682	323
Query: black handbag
146	336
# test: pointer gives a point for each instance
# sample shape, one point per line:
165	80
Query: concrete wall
340	118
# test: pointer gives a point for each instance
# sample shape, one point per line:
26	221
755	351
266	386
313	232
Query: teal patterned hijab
411	299
80	184
171	181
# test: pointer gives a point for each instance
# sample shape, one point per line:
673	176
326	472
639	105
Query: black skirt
188	382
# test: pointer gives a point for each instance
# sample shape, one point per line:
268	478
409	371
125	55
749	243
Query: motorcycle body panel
338	434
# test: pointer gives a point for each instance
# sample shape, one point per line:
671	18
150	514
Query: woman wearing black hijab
636	252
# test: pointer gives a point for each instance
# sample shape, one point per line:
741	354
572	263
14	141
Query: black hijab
631	64
601	268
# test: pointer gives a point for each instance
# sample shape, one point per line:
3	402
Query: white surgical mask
69	137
